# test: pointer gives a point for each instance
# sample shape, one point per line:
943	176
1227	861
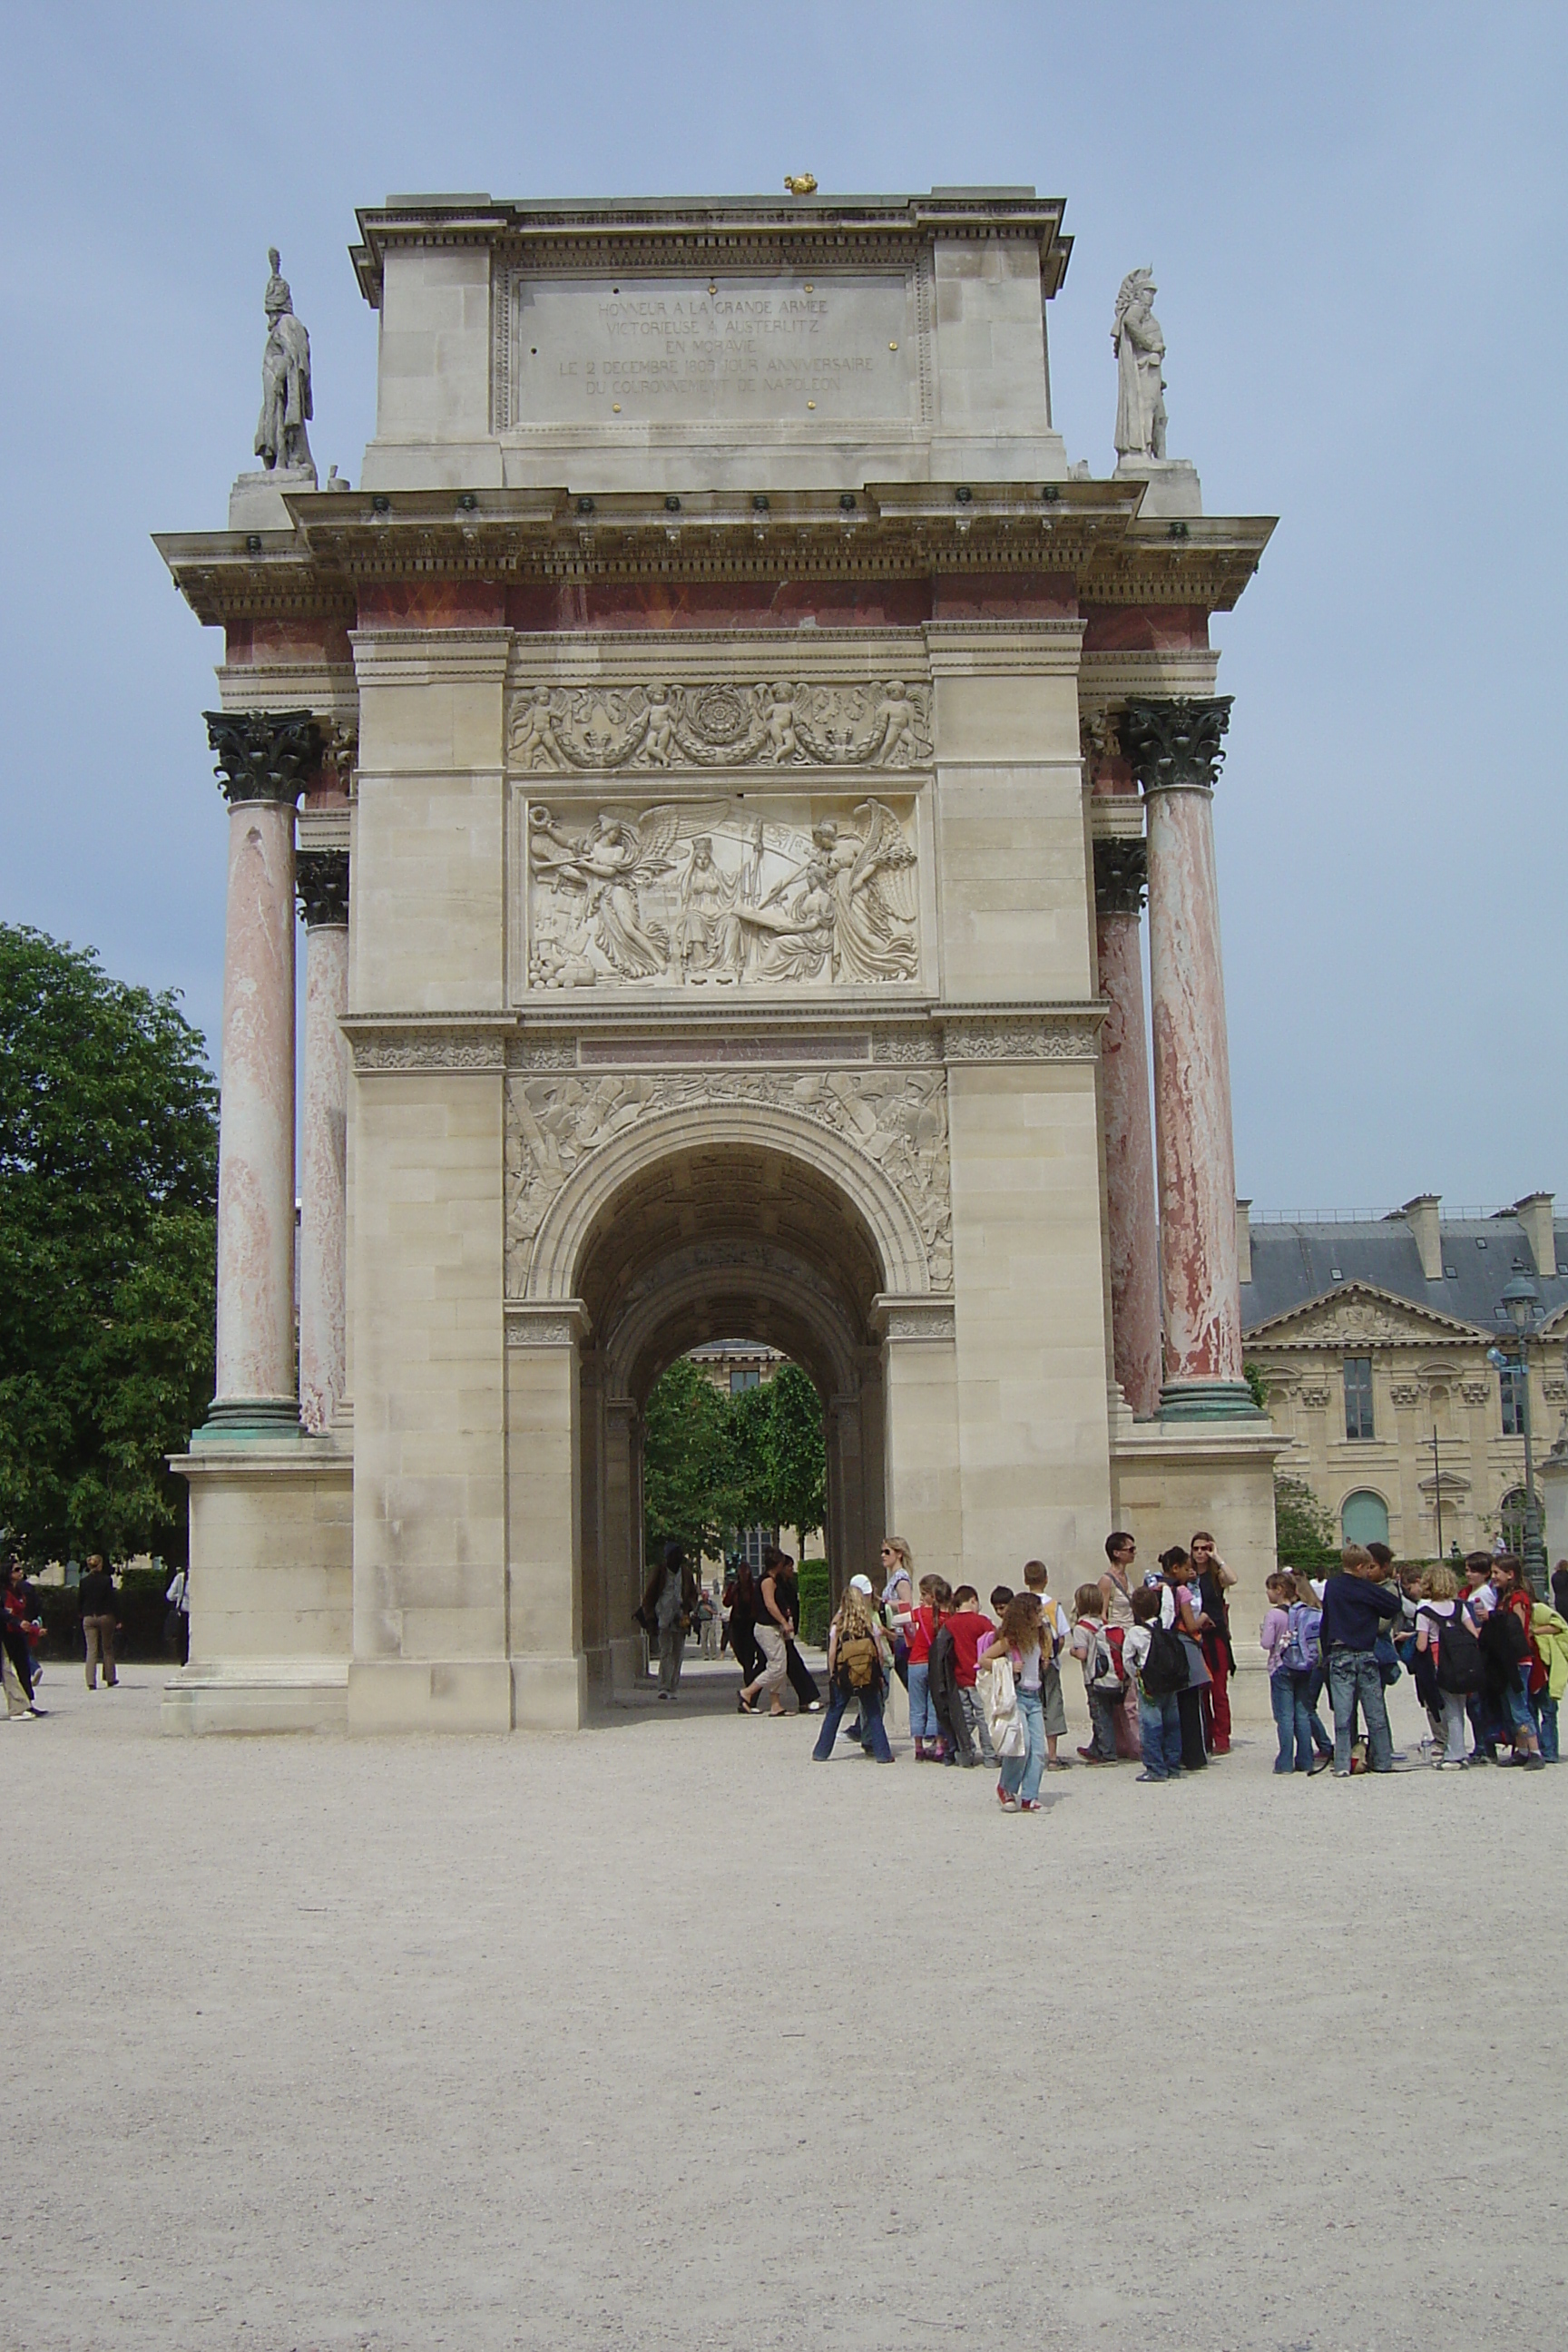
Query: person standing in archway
772	1626
669	1605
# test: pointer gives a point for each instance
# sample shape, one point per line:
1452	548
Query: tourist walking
668	1606
859	1660
772	1626
1446	1645
801	1679
20	1627
1115	1594
741	1604
1213	1580
1356	1609
95	1599
1019	1640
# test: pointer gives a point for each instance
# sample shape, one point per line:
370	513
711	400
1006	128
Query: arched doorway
1363	1517
718	1240
740	1218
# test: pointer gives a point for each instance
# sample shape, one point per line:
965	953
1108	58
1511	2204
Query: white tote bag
1002	1716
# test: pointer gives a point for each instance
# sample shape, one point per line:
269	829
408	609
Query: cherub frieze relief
694	894
596	729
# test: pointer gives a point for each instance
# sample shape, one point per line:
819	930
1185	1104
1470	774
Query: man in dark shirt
95	1599
1356	1608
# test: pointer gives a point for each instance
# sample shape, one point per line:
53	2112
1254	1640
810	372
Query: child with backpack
926	1731
1274	1641
858	1657
1302	1662
1445	1634
1099	1649
1154	1655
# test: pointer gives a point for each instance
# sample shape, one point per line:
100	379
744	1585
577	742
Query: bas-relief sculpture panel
781	889
716	893
898	1120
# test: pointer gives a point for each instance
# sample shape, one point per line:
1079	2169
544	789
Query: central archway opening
712	1244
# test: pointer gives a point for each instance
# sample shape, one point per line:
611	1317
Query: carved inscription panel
716	894
724	349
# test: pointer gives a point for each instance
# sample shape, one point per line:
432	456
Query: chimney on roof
1535	1214
1421	1215
1244	1239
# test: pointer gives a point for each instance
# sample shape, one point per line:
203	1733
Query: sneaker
1011	1805
1532	1763
37	1710
1030	1805
1450	1764
1156	1779
812	1706
1341	1776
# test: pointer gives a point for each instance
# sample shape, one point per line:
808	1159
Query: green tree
784	1461
691	1479
1305	1535
108	1242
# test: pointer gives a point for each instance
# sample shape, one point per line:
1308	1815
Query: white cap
861	1584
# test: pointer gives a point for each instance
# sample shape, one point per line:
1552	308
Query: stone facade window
1511	1381
743	1378
1358	1397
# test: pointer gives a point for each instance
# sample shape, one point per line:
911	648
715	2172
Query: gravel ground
657	2036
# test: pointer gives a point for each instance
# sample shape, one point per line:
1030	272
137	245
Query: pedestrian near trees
95	1600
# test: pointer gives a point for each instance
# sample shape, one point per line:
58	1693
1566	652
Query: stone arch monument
719	754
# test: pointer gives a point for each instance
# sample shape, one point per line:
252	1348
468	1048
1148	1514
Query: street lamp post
1522	1304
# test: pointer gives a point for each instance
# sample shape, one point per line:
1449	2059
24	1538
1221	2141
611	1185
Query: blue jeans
1544	1711
1282	1699
1160	1723
1354	1675
1102	1715
1021	1774
873	1735
923	1724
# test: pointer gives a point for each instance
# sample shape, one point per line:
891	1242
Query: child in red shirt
924	1729
969	1625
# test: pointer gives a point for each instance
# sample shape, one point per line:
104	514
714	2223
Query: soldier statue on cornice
1140	348
281	441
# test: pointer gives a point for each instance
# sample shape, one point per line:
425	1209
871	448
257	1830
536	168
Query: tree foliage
1305	1535
107	1239
784	1462
713	1463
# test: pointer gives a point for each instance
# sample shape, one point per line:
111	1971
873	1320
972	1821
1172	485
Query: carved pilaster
322	886
263	755
1120	876
1175	745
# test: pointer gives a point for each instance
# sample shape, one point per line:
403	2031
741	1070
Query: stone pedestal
1174	486
255	501
263	759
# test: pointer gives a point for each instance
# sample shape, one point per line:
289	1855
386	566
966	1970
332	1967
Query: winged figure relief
596	880
876	896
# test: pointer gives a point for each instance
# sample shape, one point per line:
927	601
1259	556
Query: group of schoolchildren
1487	1658
987	1689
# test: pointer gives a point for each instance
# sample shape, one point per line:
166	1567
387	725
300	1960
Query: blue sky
1356	219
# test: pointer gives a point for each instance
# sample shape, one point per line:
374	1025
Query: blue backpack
1301	1653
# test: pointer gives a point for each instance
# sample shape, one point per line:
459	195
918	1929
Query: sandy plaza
550	2041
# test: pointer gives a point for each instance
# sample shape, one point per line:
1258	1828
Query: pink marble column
322	877
1174	750
260	760
1120	867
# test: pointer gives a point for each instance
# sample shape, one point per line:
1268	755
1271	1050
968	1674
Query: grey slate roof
1292	1264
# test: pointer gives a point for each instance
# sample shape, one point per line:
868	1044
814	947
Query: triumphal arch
720	752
